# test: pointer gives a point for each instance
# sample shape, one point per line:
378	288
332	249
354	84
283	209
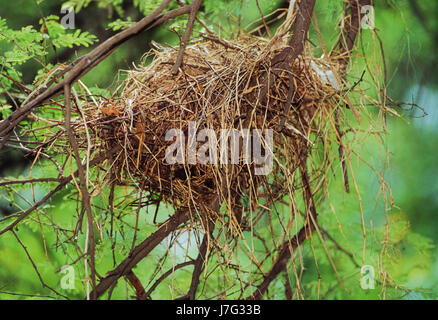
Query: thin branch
62	183
186	37
288	292
340	134
137	215
142	250
23	215
201	260
340	248
136	283
344	48
164	276
82	65
281	261
43	297
349	32
300	29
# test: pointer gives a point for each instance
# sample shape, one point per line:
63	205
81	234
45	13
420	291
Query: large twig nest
217	88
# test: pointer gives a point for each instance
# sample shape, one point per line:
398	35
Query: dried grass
218	88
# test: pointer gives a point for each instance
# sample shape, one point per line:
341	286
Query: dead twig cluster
247	86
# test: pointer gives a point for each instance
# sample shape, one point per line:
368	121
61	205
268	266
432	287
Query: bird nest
159	121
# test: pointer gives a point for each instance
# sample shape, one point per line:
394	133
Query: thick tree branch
300	29
83	180
343	48
143	249
136	283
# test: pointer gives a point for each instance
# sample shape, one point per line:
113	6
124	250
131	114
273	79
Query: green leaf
120	24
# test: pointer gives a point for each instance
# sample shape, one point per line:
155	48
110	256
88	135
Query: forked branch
189	28
289	246
84	64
